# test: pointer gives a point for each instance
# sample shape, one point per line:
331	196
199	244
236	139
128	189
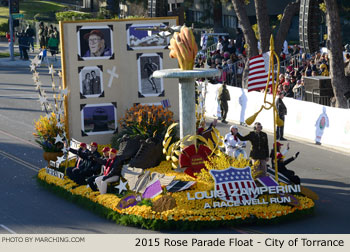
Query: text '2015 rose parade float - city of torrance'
149	175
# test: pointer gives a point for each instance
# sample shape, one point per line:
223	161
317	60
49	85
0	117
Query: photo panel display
145	36
147	63
95	42
91	81
98	119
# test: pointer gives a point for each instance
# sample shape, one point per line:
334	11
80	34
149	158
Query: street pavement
28	208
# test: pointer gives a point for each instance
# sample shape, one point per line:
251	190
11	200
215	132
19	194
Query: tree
263	24
263	27
340	83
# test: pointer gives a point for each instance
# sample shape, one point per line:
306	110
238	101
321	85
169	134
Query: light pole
11	33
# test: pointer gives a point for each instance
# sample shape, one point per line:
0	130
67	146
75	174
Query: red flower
194	161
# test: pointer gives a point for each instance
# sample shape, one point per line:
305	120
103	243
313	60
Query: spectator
282	112
324	69
225	44
53	45
30	33
288	91
46	35
219	46
231	48
41	35
224	97
25	46
20	37
299	90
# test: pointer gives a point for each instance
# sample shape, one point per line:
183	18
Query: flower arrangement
145	121
49	129
46	130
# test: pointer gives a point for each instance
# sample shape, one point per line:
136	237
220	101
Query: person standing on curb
224	97
282	112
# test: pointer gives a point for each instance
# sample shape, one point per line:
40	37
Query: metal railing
210	49
317	98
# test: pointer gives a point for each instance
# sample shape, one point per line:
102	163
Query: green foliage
45	17
4	27
72	15
6	54
146	202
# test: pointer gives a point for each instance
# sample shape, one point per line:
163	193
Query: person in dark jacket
260	147
111	171
282	112
224	97
80	171
100	161
30	33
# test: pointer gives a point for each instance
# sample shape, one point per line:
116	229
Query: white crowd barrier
306	120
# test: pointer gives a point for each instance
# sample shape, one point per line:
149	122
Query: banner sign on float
236	187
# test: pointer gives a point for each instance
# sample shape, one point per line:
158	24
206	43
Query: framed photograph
140	38
98	119
91	81
95	42
147	63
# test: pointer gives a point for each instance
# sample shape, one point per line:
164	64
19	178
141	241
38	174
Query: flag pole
274	94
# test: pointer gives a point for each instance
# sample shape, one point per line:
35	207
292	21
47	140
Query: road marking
7	229
20	161
18	138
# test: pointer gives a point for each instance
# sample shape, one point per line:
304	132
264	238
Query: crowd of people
48	39
229	57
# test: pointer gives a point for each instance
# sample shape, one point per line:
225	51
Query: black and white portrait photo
98	118
91	81
95	42
148	63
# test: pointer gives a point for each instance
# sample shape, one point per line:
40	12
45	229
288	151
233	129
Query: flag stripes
257	78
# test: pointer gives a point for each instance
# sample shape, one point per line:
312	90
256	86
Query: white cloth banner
304	120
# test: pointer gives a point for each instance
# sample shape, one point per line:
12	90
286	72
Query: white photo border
81	78
82	106
160	56
128	26
79	28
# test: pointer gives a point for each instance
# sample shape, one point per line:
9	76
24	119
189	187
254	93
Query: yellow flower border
185	210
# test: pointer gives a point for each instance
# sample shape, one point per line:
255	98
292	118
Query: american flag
258	72
234	178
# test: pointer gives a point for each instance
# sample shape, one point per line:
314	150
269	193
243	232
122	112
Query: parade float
195	185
